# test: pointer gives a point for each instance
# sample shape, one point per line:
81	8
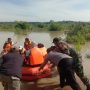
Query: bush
78	38
40	25
22	25
54	27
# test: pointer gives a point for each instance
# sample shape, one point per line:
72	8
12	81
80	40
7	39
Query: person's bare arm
42	66
45	62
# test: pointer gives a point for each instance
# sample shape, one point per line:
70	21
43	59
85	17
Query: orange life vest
35	56
43	51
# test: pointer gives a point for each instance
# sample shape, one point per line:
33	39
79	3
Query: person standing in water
10	68
65	64
63	47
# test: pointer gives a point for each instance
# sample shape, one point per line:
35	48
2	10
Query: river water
45	38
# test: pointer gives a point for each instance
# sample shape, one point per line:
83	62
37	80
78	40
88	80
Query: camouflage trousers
80	72
10	82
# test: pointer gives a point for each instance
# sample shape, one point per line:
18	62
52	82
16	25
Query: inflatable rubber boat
30	72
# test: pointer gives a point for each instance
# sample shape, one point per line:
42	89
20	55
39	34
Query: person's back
12	63
64	65
10	68
63	47
55	57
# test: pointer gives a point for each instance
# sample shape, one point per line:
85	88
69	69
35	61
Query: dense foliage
23	26
80	33
77	32
54	26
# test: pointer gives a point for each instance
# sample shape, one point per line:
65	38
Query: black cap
56	40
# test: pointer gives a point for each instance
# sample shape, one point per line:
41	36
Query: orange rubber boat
36	58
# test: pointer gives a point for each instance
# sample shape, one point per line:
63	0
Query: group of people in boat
60	54
12	60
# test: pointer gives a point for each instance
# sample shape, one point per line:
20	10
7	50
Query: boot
88	87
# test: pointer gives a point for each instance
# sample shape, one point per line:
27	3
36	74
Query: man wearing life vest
28	45
6	48
63	47
43	50
9	40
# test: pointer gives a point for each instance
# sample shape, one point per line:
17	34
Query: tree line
77	32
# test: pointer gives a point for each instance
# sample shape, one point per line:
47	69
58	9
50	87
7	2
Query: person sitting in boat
28	45
6	45
22	51
40	45
9	40
5	49
42	48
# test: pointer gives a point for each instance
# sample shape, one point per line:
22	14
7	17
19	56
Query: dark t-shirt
11	64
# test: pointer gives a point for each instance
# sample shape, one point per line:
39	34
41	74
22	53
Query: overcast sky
44	10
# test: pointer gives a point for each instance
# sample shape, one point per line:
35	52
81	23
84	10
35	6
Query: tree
54	26
22	25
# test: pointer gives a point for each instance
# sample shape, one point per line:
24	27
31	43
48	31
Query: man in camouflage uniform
79	68
63	47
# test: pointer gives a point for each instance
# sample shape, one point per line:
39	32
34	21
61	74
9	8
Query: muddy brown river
45	38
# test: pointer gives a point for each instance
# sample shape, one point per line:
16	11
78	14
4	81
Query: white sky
44	10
